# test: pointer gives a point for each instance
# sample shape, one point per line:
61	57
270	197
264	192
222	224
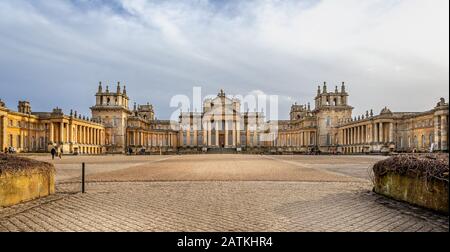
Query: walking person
53	152
60	152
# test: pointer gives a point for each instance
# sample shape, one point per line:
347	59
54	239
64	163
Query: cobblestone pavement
230	205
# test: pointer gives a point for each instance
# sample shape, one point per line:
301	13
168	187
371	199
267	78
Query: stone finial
318	89
371	113
134	107
367	114
71	112
124	89
336	89
118	87
107	89
309	106
385	110
324	87
343	87
359	118
100	88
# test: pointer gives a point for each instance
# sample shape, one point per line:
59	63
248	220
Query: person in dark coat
53	152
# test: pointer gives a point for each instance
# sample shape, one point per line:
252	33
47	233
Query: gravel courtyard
217	193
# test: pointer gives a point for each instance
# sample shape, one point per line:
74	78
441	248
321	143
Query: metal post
82	177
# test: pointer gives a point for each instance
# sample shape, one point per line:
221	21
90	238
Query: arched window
328	121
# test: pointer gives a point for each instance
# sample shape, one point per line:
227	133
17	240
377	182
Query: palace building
222	126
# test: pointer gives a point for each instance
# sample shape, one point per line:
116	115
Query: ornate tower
111	108
298	112
146	112
330	108
24	107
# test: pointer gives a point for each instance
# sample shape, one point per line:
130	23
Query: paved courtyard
218	193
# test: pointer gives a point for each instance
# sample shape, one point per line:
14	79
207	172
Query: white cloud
383	49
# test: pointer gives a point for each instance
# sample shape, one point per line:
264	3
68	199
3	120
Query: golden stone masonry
329	127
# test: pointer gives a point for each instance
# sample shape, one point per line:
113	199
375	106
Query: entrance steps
222	151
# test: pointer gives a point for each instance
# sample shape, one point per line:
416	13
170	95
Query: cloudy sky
389	52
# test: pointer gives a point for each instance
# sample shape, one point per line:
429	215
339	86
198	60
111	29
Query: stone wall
431	193
21	180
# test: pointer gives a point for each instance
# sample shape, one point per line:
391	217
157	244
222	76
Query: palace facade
329	127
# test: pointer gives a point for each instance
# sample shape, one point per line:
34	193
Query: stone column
444	127
437	131
361	134
350	136
345	136
350	141
381	133
217	133
226	133
51	133
81	134
88	140
71	133
205	134
61	132
375	133
358	134
83	128
391	132
209	133
233	124
188	137
366	138
3	132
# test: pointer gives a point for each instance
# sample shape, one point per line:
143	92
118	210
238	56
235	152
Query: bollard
82	177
